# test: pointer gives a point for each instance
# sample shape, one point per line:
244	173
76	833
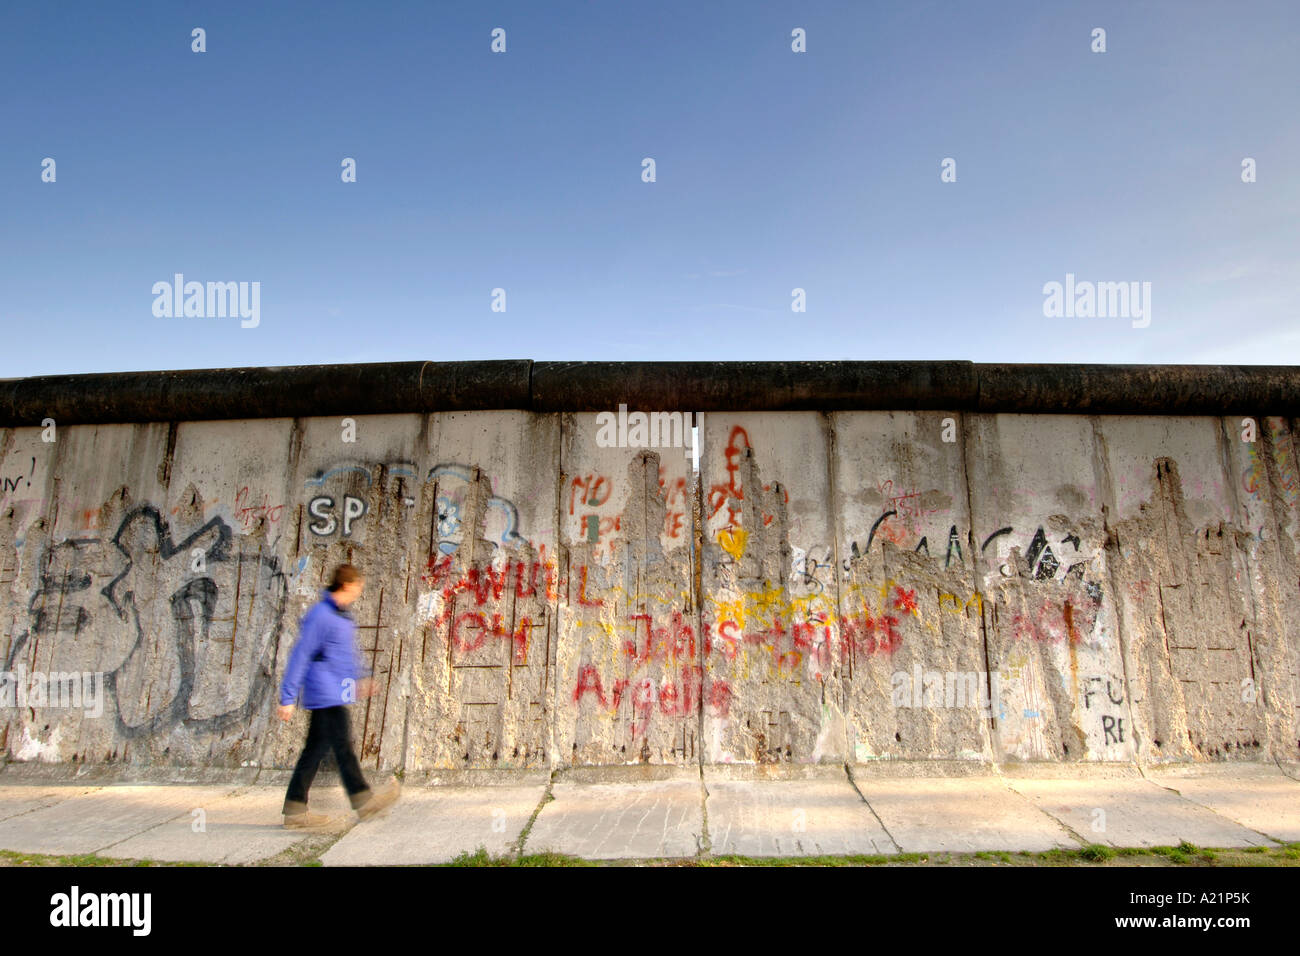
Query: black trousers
329	730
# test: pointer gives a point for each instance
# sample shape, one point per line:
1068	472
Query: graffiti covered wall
828	587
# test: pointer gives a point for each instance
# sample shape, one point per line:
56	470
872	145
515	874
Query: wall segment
842	580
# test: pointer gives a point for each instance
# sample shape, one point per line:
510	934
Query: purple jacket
325	664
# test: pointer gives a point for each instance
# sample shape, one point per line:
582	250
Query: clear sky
522	170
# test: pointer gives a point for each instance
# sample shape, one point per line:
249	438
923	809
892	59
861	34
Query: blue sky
522	171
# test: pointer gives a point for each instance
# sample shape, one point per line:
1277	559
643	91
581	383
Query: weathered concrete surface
834	585
907	568
17	800
772	674
961	815
239	827
608	821
90	822
629	680
1134	812
650	811
427	827
1259	797
792	818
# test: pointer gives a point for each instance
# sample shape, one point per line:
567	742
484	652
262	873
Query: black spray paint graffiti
156	571
1112	727
954	546
11	484
1043	562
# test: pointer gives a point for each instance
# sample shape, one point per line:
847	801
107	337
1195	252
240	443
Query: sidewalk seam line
848	772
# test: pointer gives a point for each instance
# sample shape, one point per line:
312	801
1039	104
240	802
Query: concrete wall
1122	586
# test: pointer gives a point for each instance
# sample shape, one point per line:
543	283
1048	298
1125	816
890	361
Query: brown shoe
369	802
298	817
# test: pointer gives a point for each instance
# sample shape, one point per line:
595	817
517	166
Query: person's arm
299	658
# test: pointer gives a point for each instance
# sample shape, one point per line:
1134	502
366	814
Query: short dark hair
344	574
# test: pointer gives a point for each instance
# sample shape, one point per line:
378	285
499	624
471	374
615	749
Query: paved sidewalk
641	812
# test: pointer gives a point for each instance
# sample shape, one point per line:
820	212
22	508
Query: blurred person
325	668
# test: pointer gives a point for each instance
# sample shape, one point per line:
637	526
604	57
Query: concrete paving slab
1257	796
241	827
88	822
1133	813
435	826
792	818
961	815
20	799
610	821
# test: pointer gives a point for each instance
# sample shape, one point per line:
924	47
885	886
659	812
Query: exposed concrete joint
1073	833
519	841
848	772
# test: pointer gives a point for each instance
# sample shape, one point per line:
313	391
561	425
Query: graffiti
483	583
1112	726
161	617
325	475
471	606
8	485
473	623
594	491
677	504
248	515
1284	457
1044	563
322	509
748	623
723	495
996	534
454	482
590	487
1048	621
448	518
908	506
678	694
871	536
807	567
799	638
350	507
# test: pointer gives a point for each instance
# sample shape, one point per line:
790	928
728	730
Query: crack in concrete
848	772
516	846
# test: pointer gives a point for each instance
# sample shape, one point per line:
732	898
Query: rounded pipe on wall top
421	387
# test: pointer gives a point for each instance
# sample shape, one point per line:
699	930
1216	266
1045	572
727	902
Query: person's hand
286	712
366	688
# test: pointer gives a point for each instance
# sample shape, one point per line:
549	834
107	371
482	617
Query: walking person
325	667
